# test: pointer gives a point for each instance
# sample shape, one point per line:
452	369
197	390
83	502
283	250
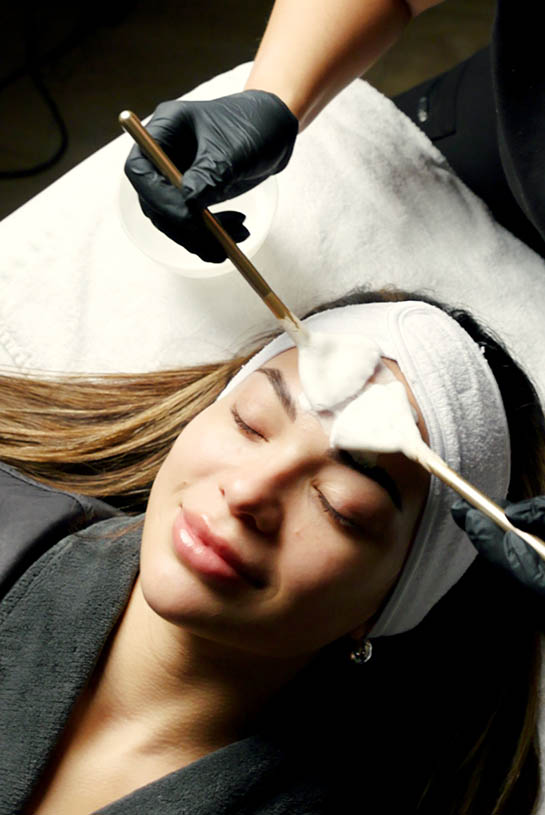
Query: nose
254	497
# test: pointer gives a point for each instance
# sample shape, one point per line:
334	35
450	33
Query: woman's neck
170	688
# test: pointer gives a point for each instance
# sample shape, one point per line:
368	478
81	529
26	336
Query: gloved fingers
193	235
524	563
216	176
459	510
223	147
233	223
503	549
154	190
232	143
529	515
205	183
485	535
203	190
173	128
197	138
205	244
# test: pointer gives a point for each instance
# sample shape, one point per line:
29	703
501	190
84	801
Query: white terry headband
465	418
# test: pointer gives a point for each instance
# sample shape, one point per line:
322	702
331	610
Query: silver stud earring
362	653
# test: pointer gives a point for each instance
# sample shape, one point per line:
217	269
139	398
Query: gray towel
33	517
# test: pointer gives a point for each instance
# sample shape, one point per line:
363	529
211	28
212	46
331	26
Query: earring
362	653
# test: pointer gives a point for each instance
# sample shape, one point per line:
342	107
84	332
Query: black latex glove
223	148
506	549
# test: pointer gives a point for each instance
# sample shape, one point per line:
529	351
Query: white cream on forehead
379	420
359	415
333	368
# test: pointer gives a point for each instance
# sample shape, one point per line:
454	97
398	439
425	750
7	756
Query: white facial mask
379	420
359	416
333	368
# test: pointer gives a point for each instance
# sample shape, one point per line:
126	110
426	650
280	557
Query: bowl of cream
258	204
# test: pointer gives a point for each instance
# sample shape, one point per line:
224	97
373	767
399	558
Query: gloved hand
223	148
506	549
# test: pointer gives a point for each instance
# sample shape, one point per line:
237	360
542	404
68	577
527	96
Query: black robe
519	89
54	622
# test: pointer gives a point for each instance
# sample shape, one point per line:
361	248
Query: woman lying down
212	655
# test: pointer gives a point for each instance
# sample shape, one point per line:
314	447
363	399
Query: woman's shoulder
34	517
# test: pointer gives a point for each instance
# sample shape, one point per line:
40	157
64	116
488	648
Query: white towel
365	199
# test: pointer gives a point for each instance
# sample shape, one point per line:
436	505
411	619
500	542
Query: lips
202	534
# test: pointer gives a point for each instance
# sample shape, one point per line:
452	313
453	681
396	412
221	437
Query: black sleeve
33	517
517	69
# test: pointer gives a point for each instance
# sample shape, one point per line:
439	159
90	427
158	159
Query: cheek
320	556
204	445
330	585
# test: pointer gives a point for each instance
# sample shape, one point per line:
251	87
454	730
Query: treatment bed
366	199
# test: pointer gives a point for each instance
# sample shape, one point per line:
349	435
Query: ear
360	632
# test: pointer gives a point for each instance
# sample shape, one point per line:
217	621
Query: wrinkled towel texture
365	199
464	415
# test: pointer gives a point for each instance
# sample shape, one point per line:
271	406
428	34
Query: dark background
92	61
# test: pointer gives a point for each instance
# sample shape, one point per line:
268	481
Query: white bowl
258	204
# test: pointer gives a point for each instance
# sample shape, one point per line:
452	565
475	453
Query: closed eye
244	427
341	520
377	474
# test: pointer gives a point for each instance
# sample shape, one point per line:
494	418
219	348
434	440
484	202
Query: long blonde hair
103	435
107	435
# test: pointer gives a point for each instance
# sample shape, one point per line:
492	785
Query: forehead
411	479
287	362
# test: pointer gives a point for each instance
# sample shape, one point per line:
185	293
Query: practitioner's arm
310	51
505	549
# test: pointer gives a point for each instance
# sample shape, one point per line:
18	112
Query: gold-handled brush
293	326
130	122
478	499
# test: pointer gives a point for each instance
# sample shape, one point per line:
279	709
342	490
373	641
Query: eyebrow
373	471
276	378
377	474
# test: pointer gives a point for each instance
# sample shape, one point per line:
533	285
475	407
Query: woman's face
259	536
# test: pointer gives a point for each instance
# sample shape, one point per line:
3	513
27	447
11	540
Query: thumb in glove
506	549
224	147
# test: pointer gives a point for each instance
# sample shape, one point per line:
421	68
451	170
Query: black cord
105	14
38	81
32	68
